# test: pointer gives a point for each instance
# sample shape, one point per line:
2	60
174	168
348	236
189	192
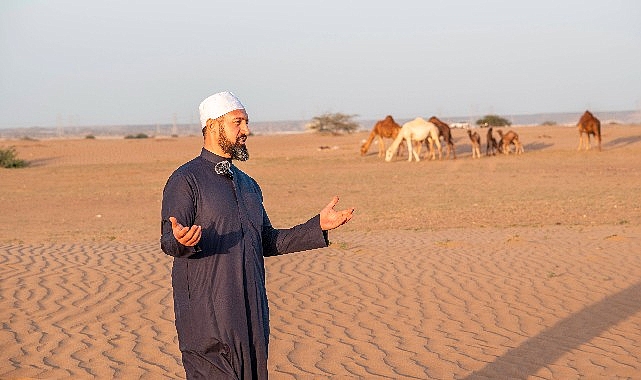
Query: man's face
232	134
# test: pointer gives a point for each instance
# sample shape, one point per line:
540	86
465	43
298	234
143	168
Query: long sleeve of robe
220	300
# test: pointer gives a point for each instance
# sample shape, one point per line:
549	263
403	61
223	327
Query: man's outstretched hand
188	236
330	218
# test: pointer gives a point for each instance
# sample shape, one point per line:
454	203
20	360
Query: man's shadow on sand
545	348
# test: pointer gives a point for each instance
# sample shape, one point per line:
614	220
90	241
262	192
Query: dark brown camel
444	131
386	128
589	125
491	147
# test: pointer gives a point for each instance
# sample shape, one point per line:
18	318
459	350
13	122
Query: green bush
335	123
9	159
138	136
493	121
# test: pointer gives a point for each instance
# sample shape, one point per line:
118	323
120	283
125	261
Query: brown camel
508	138
491	147
589	125
386	128
444	131
476	143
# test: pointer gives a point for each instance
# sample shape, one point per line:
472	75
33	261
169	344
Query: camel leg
410	150
381	147
417	150
580	141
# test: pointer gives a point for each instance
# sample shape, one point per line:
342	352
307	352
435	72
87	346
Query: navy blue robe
220	300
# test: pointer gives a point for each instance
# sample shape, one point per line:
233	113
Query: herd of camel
419	131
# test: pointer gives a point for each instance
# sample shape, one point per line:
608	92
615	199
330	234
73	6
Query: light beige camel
475	139
416	130
589	125
386	128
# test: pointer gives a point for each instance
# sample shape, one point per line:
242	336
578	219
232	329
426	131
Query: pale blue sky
142	62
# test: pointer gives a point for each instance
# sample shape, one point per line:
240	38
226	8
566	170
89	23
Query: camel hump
587	117
416	122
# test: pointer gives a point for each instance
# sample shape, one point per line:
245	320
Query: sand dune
502	267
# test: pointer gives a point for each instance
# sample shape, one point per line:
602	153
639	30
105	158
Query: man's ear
211	126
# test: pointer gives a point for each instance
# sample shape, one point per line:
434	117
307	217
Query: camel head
389	153
364	148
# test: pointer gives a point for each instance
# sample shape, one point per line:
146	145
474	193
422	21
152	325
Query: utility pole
174	128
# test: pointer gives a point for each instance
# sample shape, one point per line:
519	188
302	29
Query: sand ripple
552	302
482	303
72	311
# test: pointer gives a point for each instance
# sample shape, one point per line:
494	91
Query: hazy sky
80	62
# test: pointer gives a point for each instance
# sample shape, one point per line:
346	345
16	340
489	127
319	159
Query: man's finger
174	223
195	237
332	203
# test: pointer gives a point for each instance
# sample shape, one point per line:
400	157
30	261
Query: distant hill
290	126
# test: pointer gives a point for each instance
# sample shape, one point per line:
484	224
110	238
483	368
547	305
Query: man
215	226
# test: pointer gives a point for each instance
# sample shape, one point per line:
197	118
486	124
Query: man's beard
237	151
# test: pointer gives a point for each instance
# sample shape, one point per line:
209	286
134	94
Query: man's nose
244	128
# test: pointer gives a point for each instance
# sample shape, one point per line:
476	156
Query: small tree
9	159
333	122
493	121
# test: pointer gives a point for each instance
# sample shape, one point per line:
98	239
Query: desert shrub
138	136
548	123
493	121
9	159
333	122
90	137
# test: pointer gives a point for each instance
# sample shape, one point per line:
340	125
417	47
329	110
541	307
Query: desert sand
500	267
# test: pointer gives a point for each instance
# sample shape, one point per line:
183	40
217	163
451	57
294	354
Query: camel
491	147
589	125
416	130
476	143
445	132
386	128
510	137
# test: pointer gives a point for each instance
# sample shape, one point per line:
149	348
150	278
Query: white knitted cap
217	105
